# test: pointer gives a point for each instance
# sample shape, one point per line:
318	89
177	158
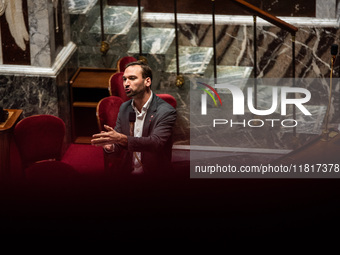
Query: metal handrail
266	16
255	11
214	40
179	78
104	47
176	36
140	28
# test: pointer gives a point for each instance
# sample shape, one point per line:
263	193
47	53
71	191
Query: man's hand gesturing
108	138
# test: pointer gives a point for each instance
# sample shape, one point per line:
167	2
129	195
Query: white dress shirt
138	131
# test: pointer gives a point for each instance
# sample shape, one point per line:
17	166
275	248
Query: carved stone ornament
2	7
15	19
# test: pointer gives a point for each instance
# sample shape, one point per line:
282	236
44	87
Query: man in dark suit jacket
149	149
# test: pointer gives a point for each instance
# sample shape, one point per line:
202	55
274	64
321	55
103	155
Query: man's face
134	84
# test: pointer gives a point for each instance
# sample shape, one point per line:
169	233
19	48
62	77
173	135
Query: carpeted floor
86	159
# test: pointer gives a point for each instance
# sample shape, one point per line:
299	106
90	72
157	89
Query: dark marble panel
234	47
39	95
34	95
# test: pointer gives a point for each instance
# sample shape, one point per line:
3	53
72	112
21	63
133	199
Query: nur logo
204	97
239	99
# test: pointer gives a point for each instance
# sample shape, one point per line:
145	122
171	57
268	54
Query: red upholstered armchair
169	99
39	139
107	113
116	86
122	62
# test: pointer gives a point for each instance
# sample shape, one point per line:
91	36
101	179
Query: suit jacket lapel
149	116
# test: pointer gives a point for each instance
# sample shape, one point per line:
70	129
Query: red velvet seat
107	111
169	99
116	86
40	138
122	62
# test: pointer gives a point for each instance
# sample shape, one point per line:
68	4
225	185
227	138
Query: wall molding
230	149
154	17
21	70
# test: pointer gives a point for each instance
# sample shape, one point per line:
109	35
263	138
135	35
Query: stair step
76	7
233	72
154	41
308	124
119	30
192	60
234	75
117	20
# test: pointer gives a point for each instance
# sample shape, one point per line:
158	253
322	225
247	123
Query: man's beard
134	93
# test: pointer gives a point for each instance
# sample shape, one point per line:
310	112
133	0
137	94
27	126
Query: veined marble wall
234	47
274	60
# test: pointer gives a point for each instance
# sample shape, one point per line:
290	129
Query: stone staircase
158	44
121	32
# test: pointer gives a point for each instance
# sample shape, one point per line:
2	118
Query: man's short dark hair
146	69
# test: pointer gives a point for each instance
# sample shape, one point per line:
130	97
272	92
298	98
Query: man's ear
148	81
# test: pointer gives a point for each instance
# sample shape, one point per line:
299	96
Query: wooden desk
6	134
